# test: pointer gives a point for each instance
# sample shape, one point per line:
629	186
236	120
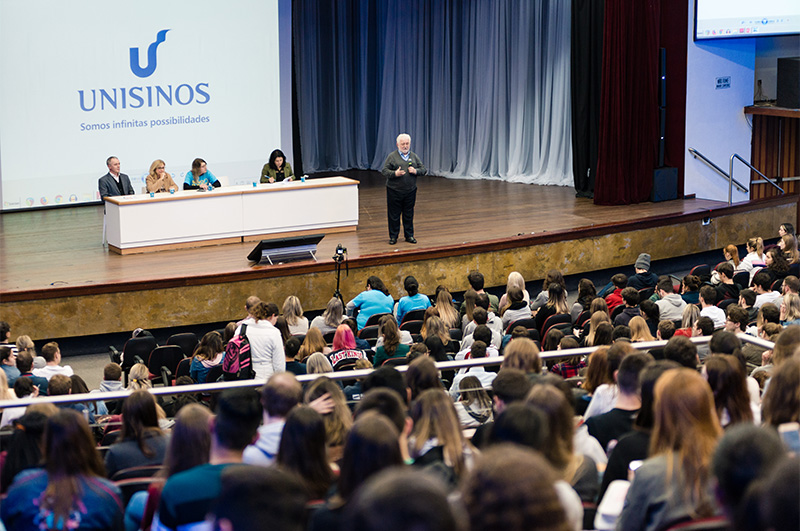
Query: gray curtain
482	86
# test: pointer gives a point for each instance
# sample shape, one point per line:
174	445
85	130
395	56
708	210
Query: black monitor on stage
286	249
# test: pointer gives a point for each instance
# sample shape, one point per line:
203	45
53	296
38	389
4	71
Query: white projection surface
172	79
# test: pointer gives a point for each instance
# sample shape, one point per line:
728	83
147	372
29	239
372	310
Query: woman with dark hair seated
556	305
371	446
208	354
303	452
141	442
277	169
69	492
373	300
391	347
24	447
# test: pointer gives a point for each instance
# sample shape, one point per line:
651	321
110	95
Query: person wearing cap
644	278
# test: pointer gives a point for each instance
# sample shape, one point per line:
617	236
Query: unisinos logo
140	97
151	56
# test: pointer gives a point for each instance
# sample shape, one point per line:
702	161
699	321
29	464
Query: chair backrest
375	319
703	271
413	315
413	327
369	332
129	487
712	523
137	346
646	293
724	303
395	362
777	285
147	471
456	334
328	337
186	340
184	368
527	323
742	278
165	356
214	373
582	319
616	311
559	320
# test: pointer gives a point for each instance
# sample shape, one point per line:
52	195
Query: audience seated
673	484
331	318
302	451
232	429
52	357
608	427
413	301
279	396
375	299
293	313
71	488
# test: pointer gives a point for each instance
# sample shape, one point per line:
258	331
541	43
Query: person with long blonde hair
579	470
312	343
337	421
754	258
434	326
293	313
447	312
470	298
556	305
158	180
639	330
515	280
674	484
436	436
790	309
331	318
594	321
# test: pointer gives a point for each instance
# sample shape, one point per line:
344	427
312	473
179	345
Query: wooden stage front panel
56	280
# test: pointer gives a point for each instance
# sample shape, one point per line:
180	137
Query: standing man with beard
401	170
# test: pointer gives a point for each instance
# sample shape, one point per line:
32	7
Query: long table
140	223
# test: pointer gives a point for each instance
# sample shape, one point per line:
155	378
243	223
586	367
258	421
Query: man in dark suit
114	182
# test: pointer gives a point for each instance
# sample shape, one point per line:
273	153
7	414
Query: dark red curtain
629	102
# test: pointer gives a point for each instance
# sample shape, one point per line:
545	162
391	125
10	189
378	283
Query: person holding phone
158	180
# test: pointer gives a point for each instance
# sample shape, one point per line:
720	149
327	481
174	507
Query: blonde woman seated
331	318
293	313
474	407
318	364
639	330
312	344
790	309
515	280
158	180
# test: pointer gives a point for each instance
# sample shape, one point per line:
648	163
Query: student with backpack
258	335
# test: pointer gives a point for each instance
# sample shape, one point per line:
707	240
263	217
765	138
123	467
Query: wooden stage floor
44	253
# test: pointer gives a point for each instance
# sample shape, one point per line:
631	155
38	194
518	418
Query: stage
57	280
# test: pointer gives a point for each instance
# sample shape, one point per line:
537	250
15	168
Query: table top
258	188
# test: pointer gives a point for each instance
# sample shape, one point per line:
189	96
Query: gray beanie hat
643	262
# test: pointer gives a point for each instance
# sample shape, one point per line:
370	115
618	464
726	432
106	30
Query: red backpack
238	362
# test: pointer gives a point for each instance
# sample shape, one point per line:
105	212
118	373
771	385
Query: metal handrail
728	176
342	375
770	181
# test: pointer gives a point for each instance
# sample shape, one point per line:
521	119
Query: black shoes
411	240
392	241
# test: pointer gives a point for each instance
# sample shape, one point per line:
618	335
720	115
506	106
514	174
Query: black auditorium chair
742	278
375	319
328	337
186	340
137	347
165	356
414	315
527	323
560	321
183	369
413	327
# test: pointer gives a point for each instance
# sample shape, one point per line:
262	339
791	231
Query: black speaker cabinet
665	184
789	82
